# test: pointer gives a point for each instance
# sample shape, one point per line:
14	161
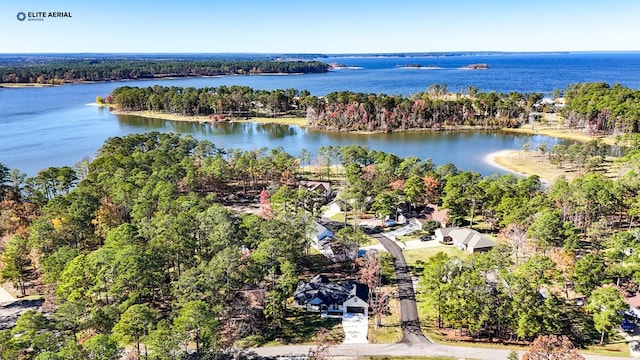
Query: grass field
412	256
390	331
558	131
531	162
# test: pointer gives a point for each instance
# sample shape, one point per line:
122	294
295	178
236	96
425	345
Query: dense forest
142	246
233	100
596	108
78	70
344	110
601	108
433	109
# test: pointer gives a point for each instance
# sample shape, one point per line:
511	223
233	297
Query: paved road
397	349
409	321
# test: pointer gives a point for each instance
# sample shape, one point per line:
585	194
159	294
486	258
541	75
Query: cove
465	149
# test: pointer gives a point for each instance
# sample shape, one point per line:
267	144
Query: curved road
409	321
413	342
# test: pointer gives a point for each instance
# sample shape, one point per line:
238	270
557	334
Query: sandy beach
499	159
490	159
299	121
24	85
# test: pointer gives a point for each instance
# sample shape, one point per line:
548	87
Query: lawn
412	256
412	236
532	162
557	131
301	327
617	346
390	331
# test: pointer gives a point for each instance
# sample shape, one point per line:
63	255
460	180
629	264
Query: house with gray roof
321	234
465	239
332	299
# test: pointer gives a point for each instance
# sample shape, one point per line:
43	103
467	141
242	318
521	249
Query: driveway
401	231
409	321
356	327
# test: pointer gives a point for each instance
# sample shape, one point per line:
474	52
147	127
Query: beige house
465	239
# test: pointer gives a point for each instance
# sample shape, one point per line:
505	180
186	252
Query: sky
321	26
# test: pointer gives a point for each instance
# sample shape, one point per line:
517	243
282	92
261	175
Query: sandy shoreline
490	159
506	155
298	121
24	85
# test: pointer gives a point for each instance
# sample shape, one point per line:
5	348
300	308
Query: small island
337	66
420	66
477	67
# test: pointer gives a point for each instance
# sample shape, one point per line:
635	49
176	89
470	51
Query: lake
54	126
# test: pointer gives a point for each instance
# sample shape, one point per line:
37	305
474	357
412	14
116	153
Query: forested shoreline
602	109
595	108
337	111
72	71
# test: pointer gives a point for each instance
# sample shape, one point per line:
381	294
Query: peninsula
65	71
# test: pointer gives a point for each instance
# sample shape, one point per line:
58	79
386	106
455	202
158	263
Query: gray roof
480	242
467	237
328	292
321	232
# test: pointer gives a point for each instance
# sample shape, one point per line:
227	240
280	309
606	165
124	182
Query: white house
332	299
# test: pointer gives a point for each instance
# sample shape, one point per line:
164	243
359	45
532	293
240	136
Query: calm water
43	127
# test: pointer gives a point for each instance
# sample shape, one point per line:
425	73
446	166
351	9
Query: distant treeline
228	100
344	110
77	70
601	108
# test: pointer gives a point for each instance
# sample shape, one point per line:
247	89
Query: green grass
617	346
412	236
301	327
390	331
339	217
412	256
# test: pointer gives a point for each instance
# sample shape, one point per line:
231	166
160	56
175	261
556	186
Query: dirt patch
5	296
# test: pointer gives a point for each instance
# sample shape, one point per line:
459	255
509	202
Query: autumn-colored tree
397	184
552	347
566	263
432	187
265	204
369	274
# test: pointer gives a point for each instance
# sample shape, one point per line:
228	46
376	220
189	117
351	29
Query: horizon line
323	53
